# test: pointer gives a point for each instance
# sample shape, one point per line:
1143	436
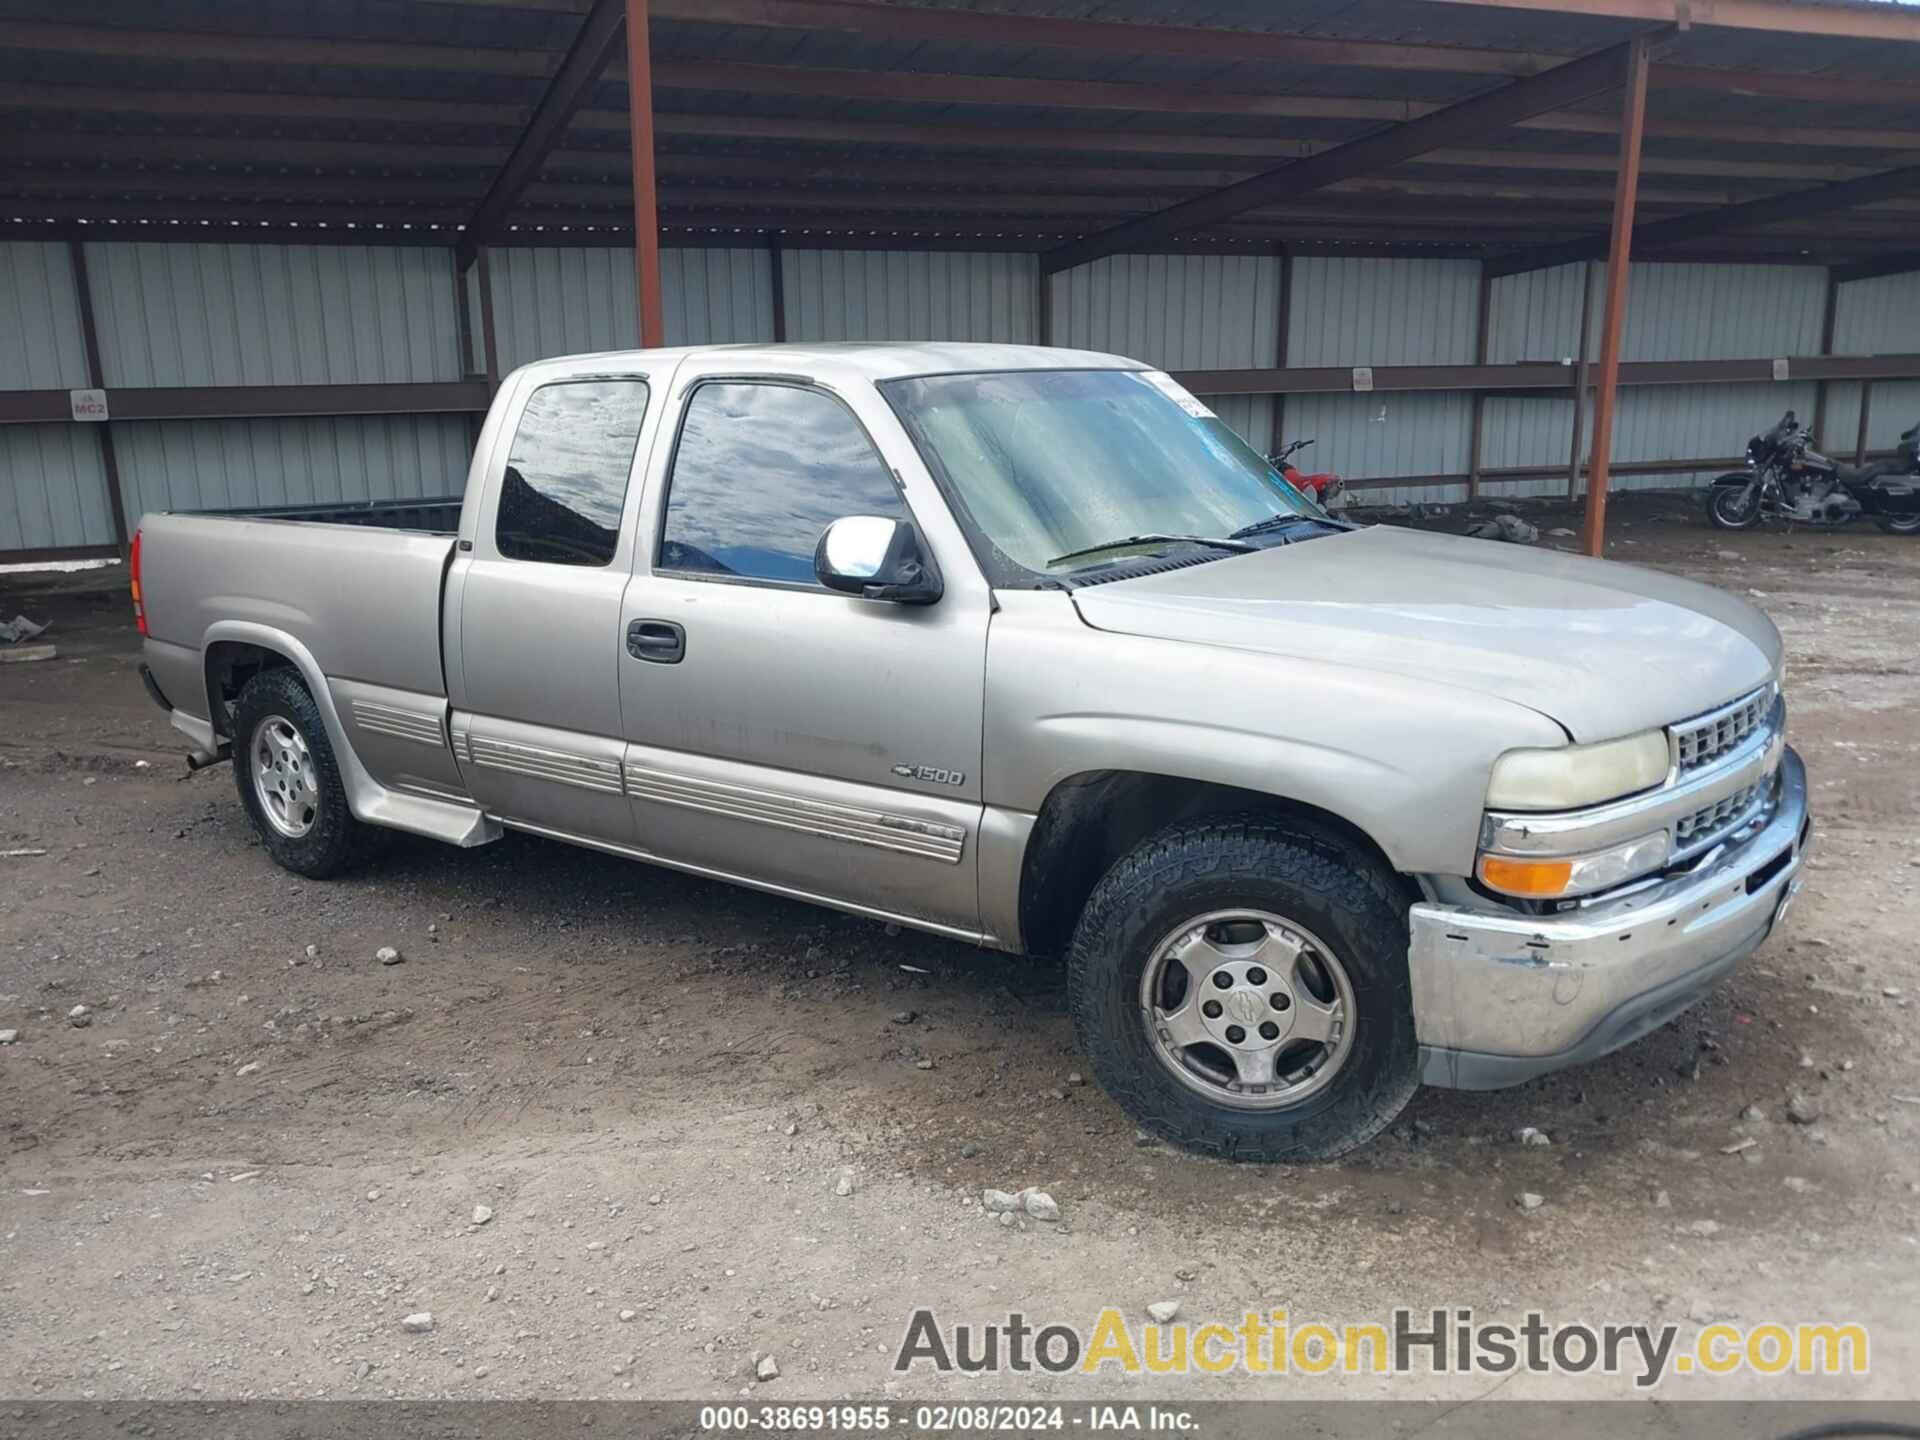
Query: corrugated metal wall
1674	312
1875	317
212	314
550	302
53	486
911	295
1384	312
245	464
1180	312
273	314
40	318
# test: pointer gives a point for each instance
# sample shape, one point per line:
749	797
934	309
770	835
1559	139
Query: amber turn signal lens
1538	879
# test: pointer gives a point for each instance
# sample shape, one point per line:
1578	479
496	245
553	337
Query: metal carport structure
1499	134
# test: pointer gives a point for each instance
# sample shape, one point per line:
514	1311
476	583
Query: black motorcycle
1787	479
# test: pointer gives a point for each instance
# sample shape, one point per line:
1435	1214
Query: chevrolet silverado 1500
1026	648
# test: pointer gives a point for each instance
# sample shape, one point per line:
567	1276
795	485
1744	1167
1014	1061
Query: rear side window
566	477
761	470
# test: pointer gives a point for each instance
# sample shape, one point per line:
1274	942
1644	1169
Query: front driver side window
760	471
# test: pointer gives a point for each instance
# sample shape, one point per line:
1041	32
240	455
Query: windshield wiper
1283	521
1233	543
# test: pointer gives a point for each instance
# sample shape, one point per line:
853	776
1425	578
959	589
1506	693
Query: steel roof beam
599	36
1469	120
977	27
1796	207
1900	264
910	23
802	82
1794	17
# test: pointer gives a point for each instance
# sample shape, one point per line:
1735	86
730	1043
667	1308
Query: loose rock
1528	1135
418	1323
1041	1206
1801	1110
387	955
80	1016
999	1202
1163	1311
1527	1200
252	1067
482	1214
767	1369
8	1037
844	1185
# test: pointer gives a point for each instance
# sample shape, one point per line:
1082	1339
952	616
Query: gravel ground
709	1126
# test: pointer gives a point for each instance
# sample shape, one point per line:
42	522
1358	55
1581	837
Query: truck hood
1605	649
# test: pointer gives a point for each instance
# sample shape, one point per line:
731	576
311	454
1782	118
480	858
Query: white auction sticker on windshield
1170	388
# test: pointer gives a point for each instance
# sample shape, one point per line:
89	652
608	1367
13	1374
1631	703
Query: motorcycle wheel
1899	525
1733	507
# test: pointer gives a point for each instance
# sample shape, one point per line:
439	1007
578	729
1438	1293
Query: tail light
133	569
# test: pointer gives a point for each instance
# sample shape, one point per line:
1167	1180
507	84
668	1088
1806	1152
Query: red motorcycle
1321	487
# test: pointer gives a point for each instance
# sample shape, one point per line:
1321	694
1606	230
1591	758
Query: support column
490	353
646	204
96	379
1826	348
777	286
1284	319
1626	188
1478	404
1581	363
1866	414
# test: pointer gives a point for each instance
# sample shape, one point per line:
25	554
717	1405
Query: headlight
1571	776
1554	878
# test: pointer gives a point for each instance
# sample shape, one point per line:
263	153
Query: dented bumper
1499	999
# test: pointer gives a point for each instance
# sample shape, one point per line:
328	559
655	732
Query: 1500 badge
932	774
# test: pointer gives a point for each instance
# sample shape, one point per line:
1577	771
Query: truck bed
437	516
362	599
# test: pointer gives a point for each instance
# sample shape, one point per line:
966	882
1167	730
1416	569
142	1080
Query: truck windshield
1061	470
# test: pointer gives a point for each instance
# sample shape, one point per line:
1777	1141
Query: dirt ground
266	1148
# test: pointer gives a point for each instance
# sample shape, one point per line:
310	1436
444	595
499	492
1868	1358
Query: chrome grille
1699	742
1708	824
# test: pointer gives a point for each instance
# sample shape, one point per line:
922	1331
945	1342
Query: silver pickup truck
1026	648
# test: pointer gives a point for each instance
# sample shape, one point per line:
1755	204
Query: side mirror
876	559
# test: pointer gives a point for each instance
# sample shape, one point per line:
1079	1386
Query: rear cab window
567	472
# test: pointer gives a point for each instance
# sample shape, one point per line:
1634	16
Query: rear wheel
1734	506
288	779
1241	987
1899	524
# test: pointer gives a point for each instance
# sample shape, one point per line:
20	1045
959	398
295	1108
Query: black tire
1723	507
1899	525
335	840
1322	882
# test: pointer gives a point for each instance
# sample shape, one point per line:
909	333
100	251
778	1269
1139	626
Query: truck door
534	662
809	741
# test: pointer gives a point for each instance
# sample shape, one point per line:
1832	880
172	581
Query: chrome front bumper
1499	999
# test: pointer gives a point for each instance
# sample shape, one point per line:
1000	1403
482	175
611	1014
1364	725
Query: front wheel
1240	986
1734	506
